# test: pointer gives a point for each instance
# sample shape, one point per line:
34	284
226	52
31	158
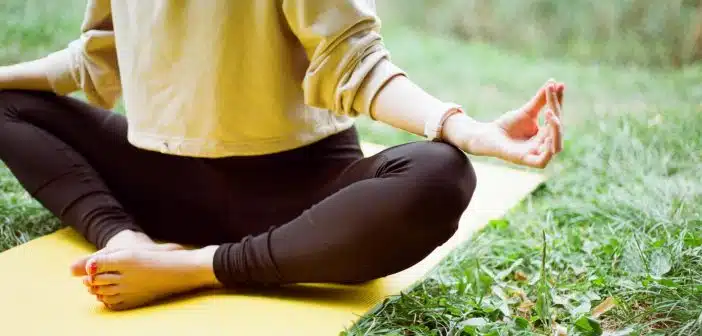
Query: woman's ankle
202	261
129	238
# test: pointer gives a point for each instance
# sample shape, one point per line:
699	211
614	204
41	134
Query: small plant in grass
543	301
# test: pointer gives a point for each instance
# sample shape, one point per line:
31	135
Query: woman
239	138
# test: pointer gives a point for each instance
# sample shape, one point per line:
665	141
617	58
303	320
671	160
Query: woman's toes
78	267
103	279
106	290
117	306
109	262
110	299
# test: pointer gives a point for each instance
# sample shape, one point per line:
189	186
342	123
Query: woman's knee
7	103
12	102
440	182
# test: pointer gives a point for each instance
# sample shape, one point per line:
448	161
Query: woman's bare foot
129	238
130	278
124	240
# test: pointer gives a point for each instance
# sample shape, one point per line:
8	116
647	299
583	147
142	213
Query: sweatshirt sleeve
89	63
349	63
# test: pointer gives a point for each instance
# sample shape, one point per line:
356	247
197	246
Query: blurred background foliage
651	33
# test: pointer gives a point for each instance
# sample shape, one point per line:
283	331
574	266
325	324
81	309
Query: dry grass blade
604	307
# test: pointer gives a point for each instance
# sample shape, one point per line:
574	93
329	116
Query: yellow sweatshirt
220	78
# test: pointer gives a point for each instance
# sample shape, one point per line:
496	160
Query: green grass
33	28
620	217
30	29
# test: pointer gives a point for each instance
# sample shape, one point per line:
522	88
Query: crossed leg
341	219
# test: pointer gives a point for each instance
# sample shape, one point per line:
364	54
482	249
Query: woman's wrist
204	264
461	131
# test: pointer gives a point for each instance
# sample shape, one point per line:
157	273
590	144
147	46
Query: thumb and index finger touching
550	96
540	99
553	118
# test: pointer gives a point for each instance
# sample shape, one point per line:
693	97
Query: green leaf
668	283
608	249
486	281
471	325
504	273
628	331
560	301
593	296
468	331
503	306
583	308
462	286
475	322
692	241
499	224
599	282
612	246
521	323
660	263
588	326
589	246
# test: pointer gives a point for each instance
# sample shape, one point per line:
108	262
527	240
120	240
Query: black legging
321	213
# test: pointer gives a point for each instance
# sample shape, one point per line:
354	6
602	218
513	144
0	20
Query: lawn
611	243
620	221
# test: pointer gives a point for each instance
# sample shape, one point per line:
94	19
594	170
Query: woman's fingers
539	152
554	125
559	93
553	121
552	101
538	101
535	153
541	158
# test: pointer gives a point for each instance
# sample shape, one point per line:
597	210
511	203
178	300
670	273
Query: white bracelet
435	123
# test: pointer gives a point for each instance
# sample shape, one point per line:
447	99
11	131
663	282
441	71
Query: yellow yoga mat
39	297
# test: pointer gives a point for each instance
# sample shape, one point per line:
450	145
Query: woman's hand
515	136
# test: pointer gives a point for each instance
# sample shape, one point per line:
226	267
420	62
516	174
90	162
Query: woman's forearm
404	105
26	76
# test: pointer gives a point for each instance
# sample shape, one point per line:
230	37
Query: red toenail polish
93	267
